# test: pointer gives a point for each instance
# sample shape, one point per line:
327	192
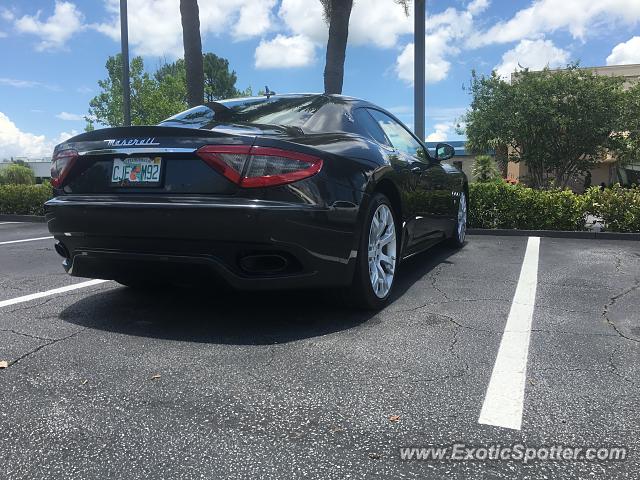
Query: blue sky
52	52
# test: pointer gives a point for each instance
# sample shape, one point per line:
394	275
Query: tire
362	293
460	230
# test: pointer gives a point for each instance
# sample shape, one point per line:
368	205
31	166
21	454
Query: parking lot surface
106	382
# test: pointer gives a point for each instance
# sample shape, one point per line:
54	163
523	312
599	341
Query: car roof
338	98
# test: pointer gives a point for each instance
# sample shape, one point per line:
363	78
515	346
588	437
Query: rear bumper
185	238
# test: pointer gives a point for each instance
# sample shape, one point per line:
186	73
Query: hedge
24	199
502	205
619	207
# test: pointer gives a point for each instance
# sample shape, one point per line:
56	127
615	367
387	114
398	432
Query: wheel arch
391	191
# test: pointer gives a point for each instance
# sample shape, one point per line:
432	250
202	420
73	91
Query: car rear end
183	204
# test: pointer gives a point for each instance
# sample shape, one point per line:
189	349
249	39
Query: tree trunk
192	51
337	45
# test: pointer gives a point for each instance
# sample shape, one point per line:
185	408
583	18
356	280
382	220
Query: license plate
136	171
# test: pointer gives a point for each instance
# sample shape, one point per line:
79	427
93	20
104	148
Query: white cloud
446	31
477	6
64	136
84	90
625	53
304	17
7	14
155	28
14	82
3	34
254	19
437	66
377	22
17	83
532	54
441	132
55	31
577	17
16	143
285	52
73	117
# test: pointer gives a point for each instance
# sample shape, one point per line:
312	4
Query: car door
423	182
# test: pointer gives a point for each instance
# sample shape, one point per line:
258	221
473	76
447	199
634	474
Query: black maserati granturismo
280	191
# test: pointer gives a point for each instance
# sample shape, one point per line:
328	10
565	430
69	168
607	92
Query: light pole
419	68
126	88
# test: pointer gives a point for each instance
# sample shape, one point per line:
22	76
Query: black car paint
204	220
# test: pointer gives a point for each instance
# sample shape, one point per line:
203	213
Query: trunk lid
171	149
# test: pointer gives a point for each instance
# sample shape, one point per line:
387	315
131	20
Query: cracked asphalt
104	382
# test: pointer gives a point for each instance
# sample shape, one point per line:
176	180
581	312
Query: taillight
252	167
61	166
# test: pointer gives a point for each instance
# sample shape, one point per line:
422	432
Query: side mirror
444	151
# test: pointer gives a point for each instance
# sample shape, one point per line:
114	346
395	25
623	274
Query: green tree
157	96
219	82
151	101
484	169
558	122
627	139
16	174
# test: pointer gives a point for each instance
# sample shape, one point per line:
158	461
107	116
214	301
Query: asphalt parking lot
104	382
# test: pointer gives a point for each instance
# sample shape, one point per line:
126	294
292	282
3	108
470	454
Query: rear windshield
308	113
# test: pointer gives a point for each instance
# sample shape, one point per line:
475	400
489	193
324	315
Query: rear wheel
377	257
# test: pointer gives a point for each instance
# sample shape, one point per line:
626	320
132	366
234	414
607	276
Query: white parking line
25	240
48	293
504	399
7	223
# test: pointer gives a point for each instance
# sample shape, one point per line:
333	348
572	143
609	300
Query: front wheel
377	257
460	232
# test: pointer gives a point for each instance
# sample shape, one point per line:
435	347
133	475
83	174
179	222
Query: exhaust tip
61	249
265	264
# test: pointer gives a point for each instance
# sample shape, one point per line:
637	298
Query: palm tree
337	14
192	51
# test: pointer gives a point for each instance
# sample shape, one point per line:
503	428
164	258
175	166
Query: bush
619	207
16	174
501	205
484	169
24	199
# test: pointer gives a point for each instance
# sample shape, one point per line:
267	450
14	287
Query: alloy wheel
462	218
382	251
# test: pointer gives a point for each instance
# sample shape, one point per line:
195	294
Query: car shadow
215	315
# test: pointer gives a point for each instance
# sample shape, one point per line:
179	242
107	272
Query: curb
554	234
21	218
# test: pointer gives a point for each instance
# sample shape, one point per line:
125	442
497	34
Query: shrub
24	199
618	207
484	169
501	205
16	174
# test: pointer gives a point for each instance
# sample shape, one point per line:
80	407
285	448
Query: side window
367	126
400	138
